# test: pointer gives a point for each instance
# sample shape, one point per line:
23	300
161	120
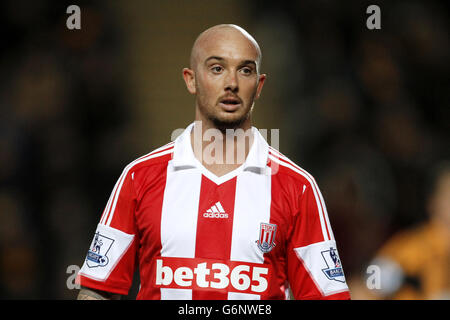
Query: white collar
183	155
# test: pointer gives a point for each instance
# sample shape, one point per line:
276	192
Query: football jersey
253	233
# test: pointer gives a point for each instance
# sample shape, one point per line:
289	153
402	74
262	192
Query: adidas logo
216	211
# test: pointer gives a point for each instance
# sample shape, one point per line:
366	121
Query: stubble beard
223	123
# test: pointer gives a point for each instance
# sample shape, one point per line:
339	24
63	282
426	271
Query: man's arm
91	294
314	268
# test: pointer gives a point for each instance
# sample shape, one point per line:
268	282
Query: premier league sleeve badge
334	267
98	252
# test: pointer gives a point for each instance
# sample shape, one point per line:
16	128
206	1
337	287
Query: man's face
227	81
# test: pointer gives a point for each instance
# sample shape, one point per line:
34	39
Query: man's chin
224	123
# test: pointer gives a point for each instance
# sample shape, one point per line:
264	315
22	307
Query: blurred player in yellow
415	263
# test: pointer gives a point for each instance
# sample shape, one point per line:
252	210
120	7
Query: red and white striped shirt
250	234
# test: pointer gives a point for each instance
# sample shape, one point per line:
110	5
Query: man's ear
189	79
261	80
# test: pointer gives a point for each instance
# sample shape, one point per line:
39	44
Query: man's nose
231	82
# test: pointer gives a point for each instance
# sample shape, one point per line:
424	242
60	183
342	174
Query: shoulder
284	167
158	157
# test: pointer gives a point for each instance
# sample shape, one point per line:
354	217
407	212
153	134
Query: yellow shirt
424	255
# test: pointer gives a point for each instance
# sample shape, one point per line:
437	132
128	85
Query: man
253	226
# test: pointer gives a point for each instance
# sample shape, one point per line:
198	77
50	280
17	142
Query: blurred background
366	112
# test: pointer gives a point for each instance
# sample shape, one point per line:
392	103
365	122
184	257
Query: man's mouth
230	104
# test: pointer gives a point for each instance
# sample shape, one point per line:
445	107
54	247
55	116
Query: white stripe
214	209
105	212
243	296
108	205
252	206
160	148
311	181
176	294
123	176
326	215
179	220
180	212
276	152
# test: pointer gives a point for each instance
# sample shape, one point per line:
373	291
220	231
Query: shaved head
218	33
224	76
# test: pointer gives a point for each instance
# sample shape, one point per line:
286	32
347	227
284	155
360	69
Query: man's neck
218	151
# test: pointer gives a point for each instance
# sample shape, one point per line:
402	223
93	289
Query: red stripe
278	156
214	234
276	258
148	217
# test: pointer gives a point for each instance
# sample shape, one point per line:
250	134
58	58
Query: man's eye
246	70
216	69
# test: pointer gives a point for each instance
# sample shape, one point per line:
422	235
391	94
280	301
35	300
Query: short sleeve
314	268
111	258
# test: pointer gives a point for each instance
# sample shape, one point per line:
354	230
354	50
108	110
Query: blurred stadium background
365	111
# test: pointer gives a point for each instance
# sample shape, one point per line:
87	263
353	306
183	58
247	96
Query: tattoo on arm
91	294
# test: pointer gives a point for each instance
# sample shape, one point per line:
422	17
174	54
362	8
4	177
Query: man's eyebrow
245	62
214	58
242	63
